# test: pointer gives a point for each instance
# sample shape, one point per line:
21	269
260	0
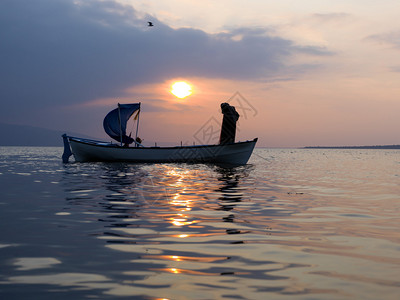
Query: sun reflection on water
178	180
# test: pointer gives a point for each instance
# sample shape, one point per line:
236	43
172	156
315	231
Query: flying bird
150	24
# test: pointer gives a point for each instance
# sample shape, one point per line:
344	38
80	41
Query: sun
181	89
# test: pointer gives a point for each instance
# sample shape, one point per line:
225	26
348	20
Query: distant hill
356	147
21	135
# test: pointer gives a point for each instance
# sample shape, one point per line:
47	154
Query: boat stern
67	149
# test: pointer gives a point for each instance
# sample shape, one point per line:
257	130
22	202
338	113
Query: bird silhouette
150	24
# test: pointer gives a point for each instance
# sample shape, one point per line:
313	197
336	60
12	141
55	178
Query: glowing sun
181	89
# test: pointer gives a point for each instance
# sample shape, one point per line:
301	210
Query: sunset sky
301	73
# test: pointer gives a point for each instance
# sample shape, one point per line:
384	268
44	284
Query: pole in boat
137	125
120	126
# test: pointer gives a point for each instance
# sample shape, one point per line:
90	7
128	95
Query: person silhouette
228	129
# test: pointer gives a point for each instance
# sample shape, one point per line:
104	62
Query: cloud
395	69
331	17
64	51
389	38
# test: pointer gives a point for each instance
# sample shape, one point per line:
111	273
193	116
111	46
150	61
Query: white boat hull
88	150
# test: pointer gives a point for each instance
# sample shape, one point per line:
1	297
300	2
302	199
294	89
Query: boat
227	152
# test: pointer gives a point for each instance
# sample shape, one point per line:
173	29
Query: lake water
293	224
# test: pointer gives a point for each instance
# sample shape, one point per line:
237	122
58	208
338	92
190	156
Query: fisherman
228	129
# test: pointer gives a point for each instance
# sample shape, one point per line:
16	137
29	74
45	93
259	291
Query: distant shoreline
355	147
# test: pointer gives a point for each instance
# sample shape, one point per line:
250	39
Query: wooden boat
85	150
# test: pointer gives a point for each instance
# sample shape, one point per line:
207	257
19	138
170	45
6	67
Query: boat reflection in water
181	220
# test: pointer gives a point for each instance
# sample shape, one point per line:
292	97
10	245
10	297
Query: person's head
224	105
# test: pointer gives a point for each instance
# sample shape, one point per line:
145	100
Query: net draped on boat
115	122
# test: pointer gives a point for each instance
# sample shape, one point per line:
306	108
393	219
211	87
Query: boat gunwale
116	146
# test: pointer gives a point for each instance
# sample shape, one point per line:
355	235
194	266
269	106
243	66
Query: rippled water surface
293	224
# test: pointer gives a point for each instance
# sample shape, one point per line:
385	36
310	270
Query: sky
300	73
